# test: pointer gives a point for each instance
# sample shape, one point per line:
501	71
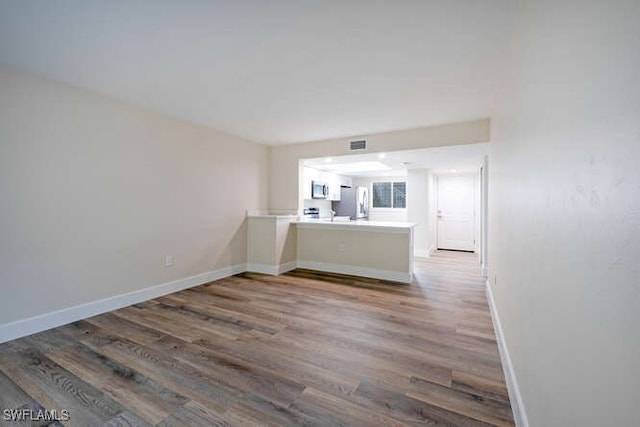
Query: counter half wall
380	250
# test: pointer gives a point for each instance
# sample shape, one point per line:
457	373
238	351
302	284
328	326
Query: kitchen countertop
272	216
355	225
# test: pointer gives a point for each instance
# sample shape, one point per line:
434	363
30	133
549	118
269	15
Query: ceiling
277	71
454	159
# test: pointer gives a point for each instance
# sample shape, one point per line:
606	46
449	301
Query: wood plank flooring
303	348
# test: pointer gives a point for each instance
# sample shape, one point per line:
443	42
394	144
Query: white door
456	222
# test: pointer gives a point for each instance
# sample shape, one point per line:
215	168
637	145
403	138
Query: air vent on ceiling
360	144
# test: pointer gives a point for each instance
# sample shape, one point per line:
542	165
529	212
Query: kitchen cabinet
334	185
333	180
345	181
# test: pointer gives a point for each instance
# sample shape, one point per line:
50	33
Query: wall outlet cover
168	260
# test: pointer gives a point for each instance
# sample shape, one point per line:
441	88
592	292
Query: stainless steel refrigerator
354	203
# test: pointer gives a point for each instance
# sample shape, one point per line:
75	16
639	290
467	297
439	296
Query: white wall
432	221
271	242
484	216
565	211
419	197
95	192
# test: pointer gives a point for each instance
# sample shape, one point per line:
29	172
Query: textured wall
565	211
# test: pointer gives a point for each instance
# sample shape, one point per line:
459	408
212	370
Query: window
389	195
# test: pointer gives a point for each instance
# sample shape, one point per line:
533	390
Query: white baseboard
421	253
287	266
517	405
21	328
272	270
42	322
396	276
235	269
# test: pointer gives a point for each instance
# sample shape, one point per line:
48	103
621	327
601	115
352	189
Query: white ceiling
454	159
272	71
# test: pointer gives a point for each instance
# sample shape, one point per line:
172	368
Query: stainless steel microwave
319	190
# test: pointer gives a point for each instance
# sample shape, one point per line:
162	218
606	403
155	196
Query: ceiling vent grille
359	144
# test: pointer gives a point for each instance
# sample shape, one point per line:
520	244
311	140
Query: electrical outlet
168	260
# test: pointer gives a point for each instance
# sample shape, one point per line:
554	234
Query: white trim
421	253
517	404
42	322
235	269
485	272
287	266
392	180
396	276
272	270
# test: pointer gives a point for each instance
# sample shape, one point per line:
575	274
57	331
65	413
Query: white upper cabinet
334	185
345	181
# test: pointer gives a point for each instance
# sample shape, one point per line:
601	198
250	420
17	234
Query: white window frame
391	209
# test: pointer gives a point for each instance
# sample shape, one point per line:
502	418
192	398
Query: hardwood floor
299	349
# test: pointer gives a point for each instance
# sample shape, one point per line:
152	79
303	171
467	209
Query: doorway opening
456	212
